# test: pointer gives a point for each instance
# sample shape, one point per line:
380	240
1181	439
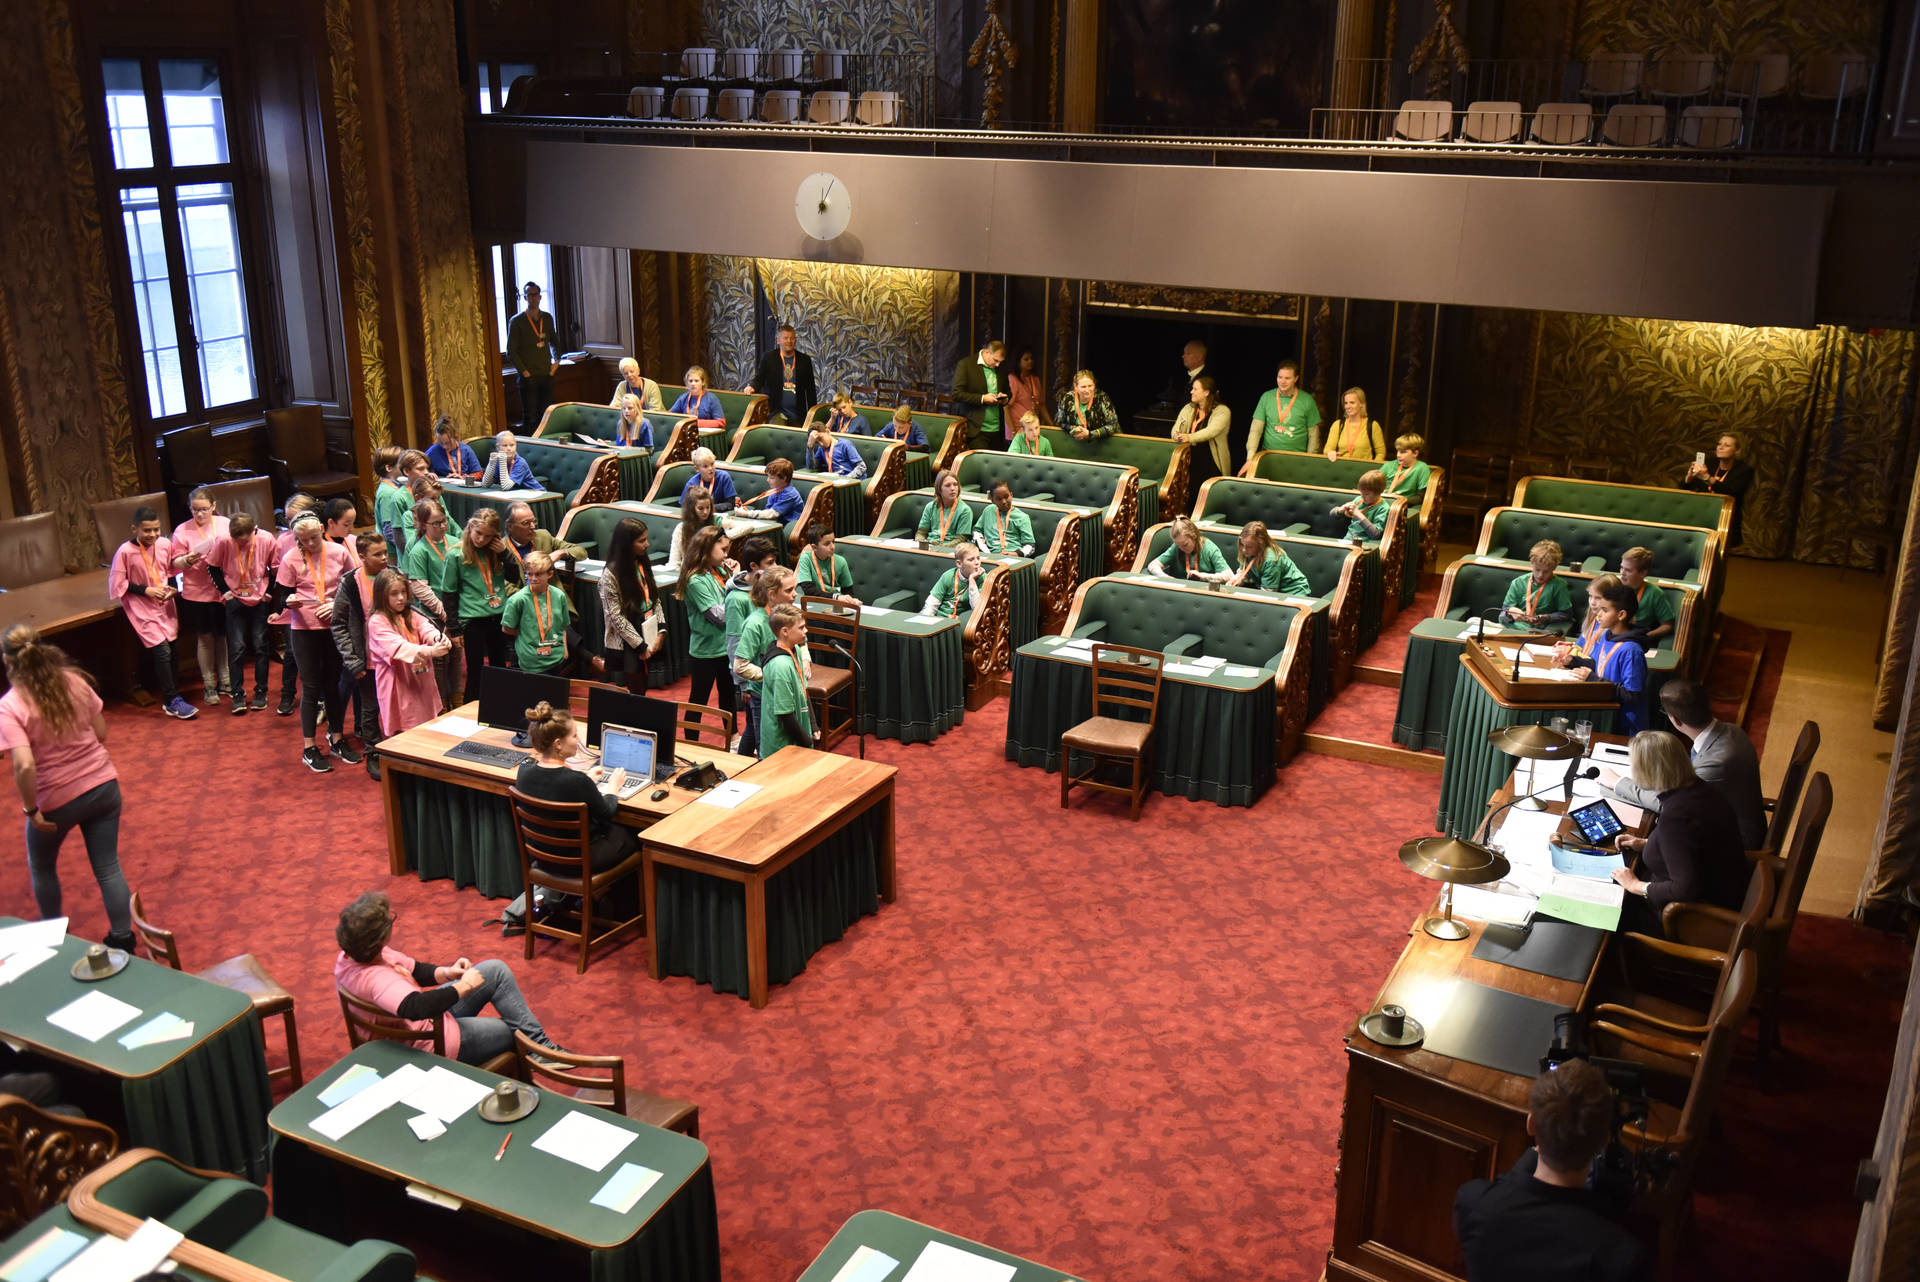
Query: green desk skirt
210	1109
1474	770
675	658
701	921
1427	684
919	474
913	684
1410	583
1320	630
1149	504
1214	743
1023	605
459	834
636	473
462	503
681	1243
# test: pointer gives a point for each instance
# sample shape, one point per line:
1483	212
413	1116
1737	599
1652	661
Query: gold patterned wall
1728	28
1823	412
859	323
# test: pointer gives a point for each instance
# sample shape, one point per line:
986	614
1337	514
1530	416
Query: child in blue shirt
781	502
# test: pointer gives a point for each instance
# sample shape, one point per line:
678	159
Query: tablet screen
1596	821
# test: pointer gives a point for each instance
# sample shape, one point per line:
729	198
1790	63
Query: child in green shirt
389	493
744	607
1407	476
946	519
537	617
1655	614
703	582
958	590
785	718
1262	565
1006	531
1190	555
1029	440
822	572
1366	512
1539	598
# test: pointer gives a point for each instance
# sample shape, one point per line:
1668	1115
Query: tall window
513	267
176	187
496	80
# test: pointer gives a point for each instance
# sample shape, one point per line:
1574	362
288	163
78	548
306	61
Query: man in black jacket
785	377
981	390
1539	1222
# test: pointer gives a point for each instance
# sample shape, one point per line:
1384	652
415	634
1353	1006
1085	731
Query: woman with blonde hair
1355	435
1695	854
1085	411
51	724
633	431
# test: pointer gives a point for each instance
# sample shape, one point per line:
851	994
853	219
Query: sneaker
315	760
285	709
239	707
340	748
373	766
211	696
259	703
180	708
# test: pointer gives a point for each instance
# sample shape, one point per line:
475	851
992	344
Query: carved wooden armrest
1693	1033
1676	950
1686	1052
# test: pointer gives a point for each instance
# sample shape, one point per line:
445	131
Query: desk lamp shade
1455	862
1535	743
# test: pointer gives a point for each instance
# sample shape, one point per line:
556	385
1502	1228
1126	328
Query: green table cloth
1023	598
1427	683
903	1240
913	674
202	1099
1474	770
670	1235
461	834
675	658
919	474
700	921
463	501
1215	739
636	472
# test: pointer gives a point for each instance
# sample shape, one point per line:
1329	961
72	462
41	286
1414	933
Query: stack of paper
727	795
445	1095
93	1016
50	933
1578	899
1209	663
350	1083
19	963
942	1263
369	1101
164	1027
1495	903
111	1259
1187	670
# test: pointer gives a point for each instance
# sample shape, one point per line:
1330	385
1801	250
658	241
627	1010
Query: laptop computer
635	751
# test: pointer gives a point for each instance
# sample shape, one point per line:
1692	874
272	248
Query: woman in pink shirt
50	722
419	993
308	578
140	579
402	644
199	605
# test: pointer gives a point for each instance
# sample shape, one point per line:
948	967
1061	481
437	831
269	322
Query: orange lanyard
440	551
486	576
154	578
545	621
366	589
1600	656
405	626
1004	517
1346	435
243	561
517	558
1080	411
833	573
1400	474
320	577
1534	595
1286	410
958	595
1590	638
539	329
212	534
946	518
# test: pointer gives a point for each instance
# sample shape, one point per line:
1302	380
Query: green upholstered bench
1334	569
743	410
946	436
1063	539
1257	629
1165	468
886	460
1655	503
1318	469
227	1220
673	436
830	500
1113	489
898	578
582	473
1289	508
1683	553
1477	585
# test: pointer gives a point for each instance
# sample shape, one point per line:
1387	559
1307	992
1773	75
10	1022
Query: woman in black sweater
1695	854
1727	474
548	777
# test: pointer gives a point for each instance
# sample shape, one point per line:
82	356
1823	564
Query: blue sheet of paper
351	1083
628	1185
1598	866
42	1256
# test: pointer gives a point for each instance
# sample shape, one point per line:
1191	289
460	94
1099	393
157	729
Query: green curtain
459	833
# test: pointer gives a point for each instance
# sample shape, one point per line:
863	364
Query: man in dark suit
1722	756
1193	363
785	376
982	393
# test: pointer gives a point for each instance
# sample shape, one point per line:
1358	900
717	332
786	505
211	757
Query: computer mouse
659	794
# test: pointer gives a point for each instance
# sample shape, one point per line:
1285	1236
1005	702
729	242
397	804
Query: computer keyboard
489	755
628	789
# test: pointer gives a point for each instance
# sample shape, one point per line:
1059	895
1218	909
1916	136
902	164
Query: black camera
1618	1171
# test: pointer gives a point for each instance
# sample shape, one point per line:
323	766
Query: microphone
1480	834
1575	773
1480	633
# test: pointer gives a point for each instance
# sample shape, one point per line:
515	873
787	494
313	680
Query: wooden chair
838	622
580	691
556	854
1123	677
1706	1053
243	974
602	1080
703	723
1783	805
1522	465
368	1023
1703	925
1472	486
42	1156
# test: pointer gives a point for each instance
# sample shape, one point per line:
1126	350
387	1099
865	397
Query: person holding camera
1540	1222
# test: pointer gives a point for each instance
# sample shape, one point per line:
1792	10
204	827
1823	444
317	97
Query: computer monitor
507	693
624	708
631	750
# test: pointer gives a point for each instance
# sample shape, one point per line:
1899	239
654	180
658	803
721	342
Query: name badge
788	386
493	600
545	649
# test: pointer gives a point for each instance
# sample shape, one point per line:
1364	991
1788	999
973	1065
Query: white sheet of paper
921	618
1555	674
866	1265
1610	893
1537	651
585	1140
459	727
351	1083
728	795
625	1187
342	1118
23	961
50	933
1483	903
112	1259
899	543
426	1126
874	612
942	1263
1187	670
1209	662
93	1016
1240	670
445	1095
588	563
1613	752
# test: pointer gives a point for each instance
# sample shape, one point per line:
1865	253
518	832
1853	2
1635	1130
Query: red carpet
1363	711
1389	649
1113	1048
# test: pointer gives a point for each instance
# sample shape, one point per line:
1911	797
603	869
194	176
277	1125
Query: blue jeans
96	813
484	1036
247	639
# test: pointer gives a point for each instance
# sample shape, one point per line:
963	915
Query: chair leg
1066	775
293	1049
586	922
1133	794
526	934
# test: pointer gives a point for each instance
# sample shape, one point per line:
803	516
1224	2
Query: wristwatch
29	811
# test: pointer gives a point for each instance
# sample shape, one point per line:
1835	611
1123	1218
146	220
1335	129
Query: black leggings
709	674
486	643
320	669
160	672
633	669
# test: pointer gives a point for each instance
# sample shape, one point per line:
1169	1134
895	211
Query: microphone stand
859	678
1480	833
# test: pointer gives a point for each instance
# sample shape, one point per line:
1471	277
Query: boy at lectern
1615	654
1539	598
1366	512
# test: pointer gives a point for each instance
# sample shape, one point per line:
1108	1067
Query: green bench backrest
565	420
591	527
1074	483
1480	589
880	571
1237	629
766	442
1311	469
1231	501
564	467
933	426
903	516
749	484
1320	562
1629	502
737	406
1677	550
1153	455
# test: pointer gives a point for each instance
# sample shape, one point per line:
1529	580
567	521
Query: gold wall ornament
1120	296
993	50
1323	371
1066	348
356	204
1442	53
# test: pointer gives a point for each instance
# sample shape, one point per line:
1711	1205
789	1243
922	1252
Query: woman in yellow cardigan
1355	435
1204	421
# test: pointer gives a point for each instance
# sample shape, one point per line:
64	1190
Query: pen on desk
503	1146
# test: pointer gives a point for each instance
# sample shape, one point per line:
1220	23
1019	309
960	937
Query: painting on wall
1216	66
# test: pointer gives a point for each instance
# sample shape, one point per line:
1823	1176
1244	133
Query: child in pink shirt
402	644
241	566
297	506
199	604
139	580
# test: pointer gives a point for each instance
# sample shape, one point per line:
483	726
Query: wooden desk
1417	1125
691	861
69	604
484	850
